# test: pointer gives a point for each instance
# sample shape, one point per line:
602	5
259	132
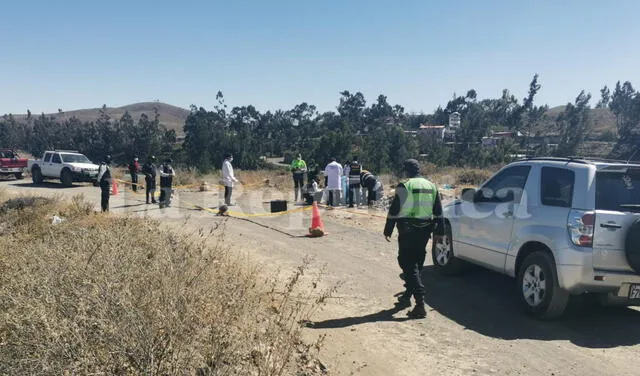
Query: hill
172	117
603	119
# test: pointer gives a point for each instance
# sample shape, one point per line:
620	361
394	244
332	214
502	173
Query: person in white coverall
228	178
333	172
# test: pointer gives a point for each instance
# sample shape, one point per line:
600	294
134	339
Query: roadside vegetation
98	294
380	133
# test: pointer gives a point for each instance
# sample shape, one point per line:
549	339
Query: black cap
412	166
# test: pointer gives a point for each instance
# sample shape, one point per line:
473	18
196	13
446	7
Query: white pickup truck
68	166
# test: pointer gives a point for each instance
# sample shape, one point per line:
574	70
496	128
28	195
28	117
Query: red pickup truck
12	164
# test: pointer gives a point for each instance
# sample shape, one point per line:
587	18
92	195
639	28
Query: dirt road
473	326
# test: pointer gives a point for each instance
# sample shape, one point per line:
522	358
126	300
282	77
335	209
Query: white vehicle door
45	166
486	224
55	166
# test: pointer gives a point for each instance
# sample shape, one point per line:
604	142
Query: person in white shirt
228	178
333	172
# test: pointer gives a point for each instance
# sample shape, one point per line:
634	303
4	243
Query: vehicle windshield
618	191
74	158
6	154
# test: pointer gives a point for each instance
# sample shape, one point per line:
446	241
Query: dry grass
99	294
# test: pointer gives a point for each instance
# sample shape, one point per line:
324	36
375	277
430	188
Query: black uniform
134	168
166	182
105	186
354	180
413	236
149	171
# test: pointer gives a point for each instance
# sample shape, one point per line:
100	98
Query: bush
473	176
100	294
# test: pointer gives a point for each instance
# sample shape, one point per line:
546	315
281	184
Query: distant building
432	132
454	120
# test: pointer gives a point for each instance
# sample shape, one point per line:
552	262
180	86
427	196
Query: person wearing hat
134	170
416	210
298	169
104	181
166	182
149	171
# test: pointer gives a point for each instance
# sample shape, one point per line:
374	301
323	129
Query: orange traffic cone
114	187
317	227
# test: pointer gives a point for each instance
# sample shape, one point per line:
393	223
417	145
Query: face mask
231	159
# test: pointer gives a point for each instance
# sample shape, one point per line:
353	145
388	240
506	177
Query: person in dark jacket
416	211
166	183
149	171
353	181
134	170
104	181
373	186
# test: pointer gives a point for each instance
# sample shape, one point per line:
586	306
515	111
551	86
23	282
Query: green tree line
382	135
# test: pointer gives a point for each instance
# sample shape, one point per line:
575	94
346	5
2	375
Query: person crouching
374	187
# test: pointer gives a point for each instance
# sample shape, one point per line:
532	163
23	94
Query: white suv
560	226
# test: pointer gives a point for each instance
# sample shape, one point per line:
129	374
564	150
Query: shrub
100	294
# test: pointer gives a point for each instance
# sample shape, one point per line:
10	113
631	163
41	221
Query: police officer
104	181
416	211
354	180
166	183
149	171
298	169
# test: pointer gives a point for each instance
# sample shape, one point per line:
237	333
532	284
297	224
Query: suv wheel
539	291
443	257
36	176
66	178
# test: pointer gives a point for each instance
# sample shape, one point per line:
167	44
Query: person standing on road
166	183
134	170
149	171
104	181
228	178
333	172
298	169
416	211
354	181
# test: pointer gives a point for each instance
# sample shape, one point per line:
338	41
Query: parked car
12	164
68	166
560	227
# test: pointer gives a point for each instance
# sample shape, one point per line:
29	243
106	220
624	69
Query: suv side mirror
468	194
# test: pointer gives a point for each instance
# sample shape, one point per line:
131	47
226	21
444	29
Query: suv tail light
581	225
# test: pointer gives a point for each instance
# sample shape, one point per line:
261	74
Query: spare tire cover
632	245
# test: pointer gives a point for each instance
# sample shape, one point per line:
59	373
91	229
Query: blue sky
275	54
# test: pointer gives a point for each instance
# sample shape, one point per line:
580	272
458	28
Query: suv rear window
618	191
556	187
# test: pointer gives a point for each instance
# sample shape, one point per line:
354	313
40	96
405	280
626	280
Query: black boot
404	300
418	312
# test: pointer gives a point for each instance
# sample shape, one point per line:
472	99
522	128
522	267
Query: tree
605	98
625	104
574	124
